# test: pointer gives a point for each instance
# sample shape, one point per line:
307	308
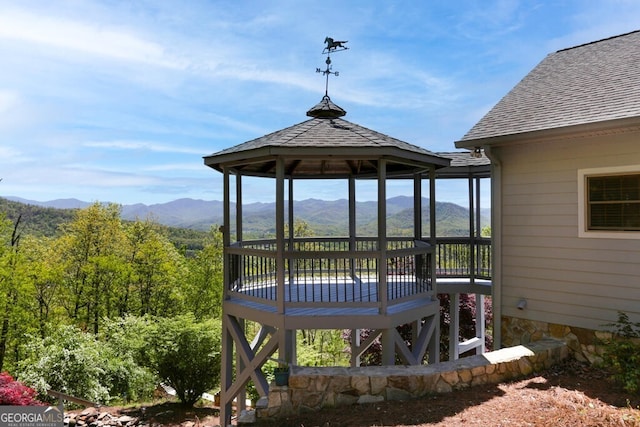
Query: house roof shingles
590	83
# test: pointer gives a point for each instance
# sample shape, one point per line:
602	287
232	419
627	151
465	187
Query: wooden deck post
280	234
434	344
454	325
226	378
226	366
382	235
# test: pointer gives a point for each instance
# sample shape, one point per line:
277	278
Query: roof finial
332	46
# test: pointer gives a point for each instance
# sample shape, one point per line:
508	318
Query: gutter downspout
496	244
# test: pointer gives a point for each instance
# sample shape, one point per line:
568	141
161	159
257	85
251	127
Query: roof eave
217	161
629	124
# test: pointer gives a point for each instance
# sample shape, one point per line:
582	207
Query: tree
92	249
203	290
156	273
10	283
186	354
301	228
44	274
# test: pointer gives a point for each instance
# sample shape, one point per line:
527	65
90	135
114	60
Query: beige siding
565	279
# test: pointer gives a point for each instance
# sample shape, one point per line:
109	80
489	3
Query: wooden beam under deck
333	317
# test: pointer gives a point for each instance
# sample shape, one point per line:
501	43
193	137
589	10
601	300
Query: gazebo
289	283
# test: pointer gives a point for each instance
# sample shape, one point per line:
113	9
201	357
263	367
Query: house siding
566	280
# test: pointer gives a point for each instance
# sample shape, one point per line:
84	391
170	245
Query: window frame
583	200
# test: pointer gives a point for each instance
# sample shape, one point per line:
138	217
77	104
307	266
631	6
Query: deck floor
345	296
339	298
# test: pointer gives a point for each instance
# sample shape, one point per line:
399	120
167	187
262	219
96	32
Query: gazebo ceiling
326	148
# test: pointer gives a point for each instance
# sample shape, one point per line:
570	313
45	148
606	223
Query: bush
622	353
186	354
76	363
15	393
128	370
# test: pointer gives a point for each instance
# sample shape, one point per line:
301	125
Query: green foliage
203	289
93	255
321	347
38	221
14	292
97	274
186	240
127	338
622	353
155	269
75	362
186	354
41	221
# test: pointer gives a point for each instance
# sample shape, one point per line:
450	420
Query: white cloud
87	38
197	165
142	146
8	154
8	100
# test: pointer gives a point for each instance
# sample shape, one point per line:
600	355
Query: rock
125	419
89	412
247	417
367	398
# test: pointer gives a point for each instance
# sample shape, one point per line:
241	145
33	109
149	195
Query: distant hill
57	204
328	218
40	220
34	219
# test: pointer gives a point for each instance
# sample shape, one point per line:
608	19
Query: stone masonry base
311	389
582	343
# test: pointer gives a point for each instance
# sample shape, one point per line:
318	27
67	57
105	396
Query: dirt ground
570	394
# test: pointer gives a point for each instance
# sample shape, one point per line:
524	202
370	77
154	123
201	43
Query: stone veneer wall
311	389
583	343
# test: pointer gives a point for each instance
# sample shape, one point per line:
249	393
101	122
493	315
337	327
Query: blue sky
120	100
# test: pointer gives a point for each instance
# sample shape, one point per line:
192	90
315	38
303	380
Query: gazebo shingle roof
324	146
586	84
463	165
325	133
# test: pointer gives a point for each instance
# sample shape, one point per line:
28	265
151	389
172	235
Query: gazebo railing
347	272
456	257
331	270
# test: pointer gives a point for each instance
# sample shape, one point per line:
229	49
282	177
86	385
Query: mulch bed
571	394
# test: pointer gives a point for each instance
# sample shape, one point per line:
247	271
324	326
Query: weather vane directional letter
331	46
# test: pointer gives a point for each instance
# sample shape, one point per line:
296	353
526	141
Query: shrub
15	393
186	354
127	370
76	363
622	353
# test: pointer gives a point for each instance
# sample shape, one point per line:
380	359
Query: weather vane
331	46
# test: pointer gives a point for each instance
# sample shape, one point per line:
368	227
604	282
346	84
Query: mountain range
323	217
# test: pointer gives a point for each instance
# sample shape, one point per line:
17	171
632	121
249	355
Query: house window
610	202
614	202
